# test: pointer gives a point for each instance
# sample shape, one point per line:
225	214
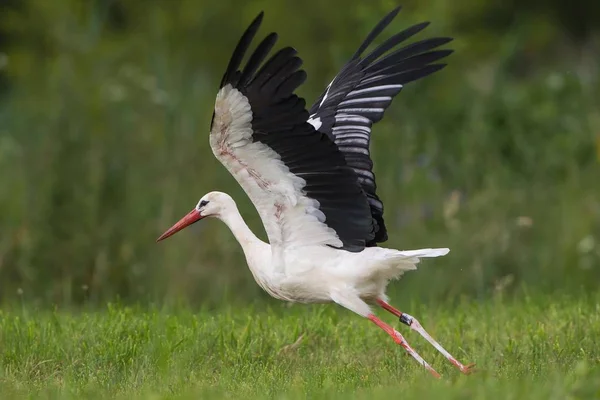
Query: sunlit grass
533	347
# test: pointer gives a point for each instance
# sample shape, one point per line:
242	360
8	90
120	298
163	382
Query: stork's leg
357	305
416	325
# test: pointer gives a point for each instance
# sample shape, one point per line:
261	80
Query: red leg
398	338
389	307
415	325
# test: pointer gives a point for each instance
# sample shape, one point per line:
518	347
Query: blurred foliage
104	143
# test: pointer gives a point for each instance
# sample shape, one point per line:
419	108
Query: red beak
189	219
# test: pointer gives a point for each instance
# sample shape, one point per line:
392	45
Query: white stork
309	173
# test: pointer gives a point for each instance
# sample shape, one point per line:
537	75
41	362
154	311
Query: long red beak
189	219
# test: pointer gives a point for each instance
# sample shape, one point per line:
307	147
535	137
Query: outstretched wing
359	95
296	177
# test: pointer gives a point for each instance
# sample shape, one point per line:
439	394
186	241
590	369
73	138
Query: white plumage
310	177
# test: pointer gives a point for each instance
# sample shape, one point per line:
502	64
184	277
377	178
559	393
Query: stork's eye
202	203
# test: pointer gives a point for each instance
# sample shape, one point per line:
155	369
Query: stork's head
213	204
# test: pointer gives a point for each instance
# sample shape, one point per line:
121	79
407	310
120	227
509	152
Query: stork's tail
401	261
421	253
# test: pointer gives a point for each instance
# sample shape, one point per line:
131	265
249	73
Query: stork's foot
398	338
415	325
468	369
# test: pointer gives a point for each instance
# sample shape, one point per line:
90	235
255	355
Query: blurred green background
104	116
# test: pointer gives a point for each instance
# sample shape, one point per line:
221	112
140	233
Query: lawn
527	347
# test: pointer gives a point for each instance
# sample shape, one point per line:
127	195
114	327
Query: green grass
534	347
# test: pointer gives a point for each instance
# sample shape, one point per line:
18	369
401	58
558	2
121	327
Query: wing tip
422	25
259	17
395	11
381	25
241	48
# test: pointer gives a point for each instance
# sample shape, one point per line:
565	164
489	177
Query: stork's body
316	274
310	175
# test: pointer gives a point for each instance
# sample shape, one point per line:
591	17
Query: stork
309	173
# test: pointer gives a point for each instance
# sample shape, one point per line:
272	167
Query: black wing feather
377	30
359	95
415	62
393	42
408	51
231	73
259	55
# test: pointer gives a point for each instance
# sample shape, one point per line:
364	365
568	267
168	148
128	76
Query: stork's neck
245	237
258	253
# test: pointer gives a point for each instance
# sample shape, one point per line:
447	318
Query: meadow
105	108
541	347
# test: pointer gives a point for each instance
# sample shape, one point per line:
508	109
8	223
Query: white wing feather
290	218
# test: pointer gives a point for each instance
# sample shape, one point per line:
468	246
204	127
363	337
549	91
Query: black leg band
406	319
